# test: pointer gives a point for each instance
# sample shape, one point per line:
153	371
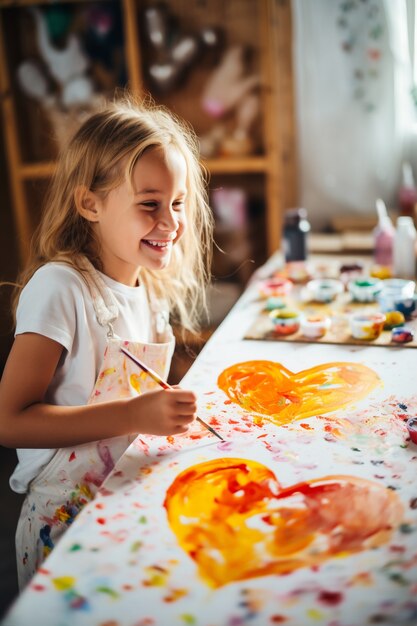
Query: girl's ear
87	203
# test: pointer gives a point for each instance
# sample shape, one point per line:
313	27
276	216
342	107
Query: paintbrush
163	384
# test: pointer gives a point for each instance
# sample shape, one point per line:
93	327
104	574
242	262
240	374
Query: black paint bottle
296	229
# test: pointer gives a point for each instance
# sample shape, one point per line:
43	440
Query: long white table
311	521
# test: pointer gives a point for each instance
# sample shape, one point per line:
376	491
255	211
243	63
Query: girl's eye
152	205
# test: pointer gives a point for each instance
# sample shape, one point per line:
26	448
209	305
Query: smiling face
138	224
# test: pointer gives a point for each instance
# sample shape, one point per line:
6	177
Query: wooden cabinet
266	175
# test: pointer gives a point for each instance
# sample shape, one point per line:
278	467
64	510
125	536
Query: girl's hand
162	412
27	421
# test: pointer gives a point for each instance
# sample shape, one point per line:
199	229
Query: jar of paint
272	287
324	289
381	271
349	271
314	326
285	321
298	272
367	326
274	302
397	294
365	289
393	319
412	428
402	335
406	306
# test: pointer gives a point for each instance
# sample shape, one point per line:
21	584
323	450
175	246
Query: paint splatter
66	513
63	583
45	537
269	389
188	619
135	381
237	522
108	592
175	594
74	600
156	576
93	476
330	598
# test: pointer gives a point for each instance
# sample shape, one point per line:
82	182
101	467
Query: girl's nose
169	220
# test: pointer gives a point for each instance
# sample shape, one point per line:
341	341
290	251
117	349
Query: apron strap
160	315
104	302
107	310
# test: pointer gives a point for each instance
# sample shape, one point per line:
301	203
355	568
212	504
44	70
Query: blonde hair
102	154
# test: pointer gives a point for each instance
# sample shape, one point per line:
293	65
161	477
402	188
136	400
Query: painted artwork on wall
305	514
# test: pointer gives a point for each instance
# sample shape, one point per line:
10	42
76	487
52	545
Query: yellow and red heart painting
232	515
269	389
237	522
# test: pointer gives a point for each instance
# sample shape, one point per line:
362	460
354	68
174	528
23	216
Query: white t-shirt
56	303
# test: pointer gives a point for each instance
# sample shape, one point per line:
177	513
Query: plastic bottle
383	236
404	248
296	229
407	194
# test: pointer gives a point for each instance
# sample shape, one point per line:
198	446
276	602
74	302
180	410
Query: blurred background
296	104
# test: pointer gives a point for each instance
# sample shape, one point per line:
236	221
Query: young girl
125	236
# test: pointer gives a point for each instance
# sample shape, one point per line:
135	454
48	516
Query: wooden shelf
263	27
28	3
235	165
37	170
247	165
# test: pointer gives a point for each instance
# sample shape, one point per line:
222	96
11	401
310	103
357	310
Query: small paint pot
402	335
273	287
349	271
399	285
412	428
314	326
285	321
406	306
393	320
274	303
365	289
367	326
396	291
381	271
324	289
297	271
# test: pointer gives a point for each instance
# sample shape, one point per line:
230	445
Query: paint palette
340	313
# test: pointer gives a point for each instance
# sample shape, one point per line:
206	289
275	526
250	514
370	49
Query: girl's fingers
185	408
186	419
181	396
181	429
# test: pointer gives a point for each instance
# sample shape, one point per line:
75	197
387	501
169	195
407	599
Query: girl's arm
26	421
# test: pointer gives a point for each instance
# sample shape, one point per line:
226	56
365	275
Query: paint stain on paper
73	600
269	389
237	522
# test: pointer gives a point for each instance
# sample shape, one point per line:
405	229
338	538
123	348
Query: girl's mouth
157	245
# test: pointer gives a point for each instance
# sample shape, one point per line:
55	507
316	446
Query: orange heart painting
269	389
237	522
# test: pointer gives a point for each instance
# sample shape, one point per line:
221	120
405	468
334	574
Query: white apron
73	476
